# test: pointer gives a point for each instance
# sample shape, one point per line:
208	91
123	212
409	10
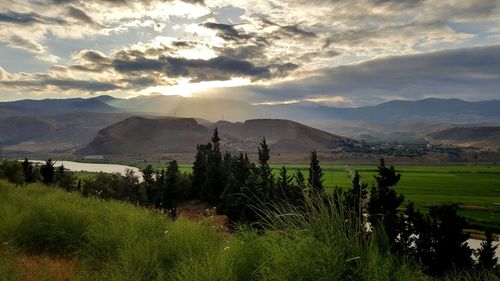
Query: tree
315	175
215	181
233	201
171	196
148	181
200	169
47	172
441	245
385	202
29	172
300	180
64	178
355	198
12	171
265	171
486	259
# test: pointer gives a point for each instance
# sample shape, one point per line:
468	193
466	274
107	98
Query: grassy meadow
49	234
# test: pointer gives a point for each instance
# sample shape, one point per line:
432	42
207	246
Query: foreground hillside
146	136
99	240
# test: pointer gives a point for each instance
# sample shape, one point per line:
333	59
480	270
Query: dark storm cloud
27	18
449	73
63	84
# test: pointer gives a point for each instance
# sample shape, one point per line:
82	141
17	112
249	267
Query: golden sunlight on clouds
185	88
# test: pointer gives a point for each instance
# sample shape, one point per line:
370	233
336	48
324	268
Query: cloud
16	41
470	73
63	84
82	16
28	18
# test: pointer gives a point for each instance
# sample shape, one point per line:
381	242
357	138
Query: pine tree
265	171
385	202
47	172
315	175
486	258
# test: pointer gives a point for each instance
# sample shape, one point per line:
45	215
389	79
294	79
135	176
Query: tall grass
117	241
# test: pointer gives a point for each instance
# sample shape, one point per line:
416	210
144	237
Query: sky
330	52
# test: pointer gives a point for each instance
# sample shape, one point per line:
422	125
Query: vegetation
111	240
357	235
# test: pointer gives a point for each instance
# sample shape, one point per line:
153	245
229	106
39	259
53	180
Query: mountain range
67	125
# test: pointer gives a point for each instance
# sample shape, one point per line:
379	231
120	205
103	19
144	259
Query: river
94	167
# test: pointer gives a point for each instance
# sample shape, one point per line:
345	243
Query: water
94	167
476	244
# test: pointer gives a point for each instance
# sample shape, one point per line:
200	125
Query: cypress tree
215	182
300	180
355	198
265	171
200	170
315	175
148	182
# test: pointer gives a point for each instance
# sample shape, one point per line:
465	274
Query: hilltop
138	135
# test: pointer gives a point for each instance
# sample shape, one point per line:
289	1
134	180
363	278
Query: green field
475	187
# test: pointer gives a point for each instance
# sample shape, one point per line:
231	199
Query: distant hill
53	133
57	106
213	109
469	136
142	136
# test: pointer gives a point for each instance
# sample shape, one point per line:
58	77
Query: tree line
242	190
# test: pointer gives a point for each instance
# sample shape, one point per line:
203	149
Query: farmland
476	188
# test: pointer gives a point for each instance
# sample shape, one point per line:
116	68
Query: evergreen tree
215	182
172	193
233	201
486	258
385	202
284	182
47	172
148	182
315	175
64	178
29	171
441	245
200	170
300	180
355	198
265	171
